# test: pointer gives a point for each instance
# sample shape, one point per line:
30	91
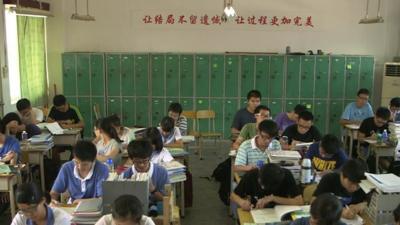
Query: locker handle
303	77
244	76
93	74
318	77
124	74
79	74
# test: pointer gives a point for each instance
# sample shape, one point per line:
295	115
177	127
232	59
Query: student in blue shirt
356	112
140	151
10	150
82	177
326	155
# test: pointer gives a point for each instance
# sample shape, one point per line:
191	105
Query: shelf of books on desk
44	140
176	171
287	159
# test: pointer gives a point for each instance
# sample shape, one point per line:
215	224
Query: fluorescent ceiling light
229	11
377	19
87	17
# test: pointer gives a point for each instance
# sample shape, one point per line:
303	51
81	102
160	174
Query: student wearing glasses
357	111
33	208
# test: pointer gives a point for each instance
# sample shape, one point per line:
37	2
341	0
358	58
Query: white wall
117	29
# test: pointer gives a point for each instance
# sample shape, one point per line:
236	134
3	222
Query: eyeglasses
363	98
304	127
140	161
28	211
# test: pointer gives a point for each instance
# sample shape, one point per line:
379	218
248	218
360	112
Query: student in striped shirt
175	111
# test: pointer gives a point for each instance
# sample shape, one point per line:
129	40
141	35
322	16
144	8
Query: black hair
175	107
306	115
23	103
167	124
98	122
8	118
115	120
363	91
395	102
396	214
107	128
85	151
261	107
299	108
271	176
383	113
354	170
154	136
269	127
330	143
127	207
59	100
253	94
326	209
140	149
29	193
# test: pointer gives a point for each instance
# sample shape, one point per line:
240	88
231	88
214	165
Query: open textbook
273	215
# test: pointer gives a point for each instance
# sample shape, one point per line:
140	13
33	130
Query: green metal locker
277	64
113	74
73	100
99	101
337	77
352	76
335	112
83	74
186	76
276	107
243	102
97	74
320	114
321	77
290	104
202	75
168	101
262	71
308	103
157	110
230	109
141	76
247	74
127	75
85	109
292	76
231	75
158	75
202	104
307	76
367	73
218	106
114	106
217	75
69	74
172	75
142	112
128	111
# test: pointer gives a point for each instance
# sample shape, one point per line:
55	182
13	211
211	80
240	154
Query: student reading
10	148
67	115
285	119
267	187
357	111
246	115
160	154
175	112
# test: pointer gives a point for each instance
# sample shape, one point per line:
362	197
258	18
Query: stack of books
287	159
176	171
88	211
387	183
44	140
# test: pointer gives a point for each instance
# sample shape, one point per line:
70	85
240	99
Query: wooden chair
170	210
192	130
96	110
208	115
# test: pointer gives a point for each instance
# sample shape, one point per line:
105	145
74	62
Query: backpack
222	174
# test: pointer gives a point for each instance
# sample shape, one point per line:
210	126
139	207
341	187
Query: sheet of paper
353	126
356	221
55	128
265	216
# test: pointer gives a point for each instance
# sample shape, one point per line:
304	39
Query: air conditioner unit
390	82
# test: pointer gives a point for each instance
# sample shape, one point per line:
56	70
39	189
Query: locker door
307	76
127	75
243	102
202	104
128	111
218	107
168	101
231	75
73	100
157	110
276	76
293	77
337	77
367	73
172	75
157	75
247	74
101	104
142	112
113	75
141	76
262	71
217	76
308	103
114	106
276	107
202	75
186	75
321	77
97	74
335	112
320	114
84	108
352	76
187	105
83	75
230	109
69	74
290	104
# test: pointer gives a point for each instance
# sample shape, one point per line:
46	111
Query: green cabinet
335	113
141	75
307	76
127	75
202	75
86	112
247	74
114	106
367	73
352	76
186	76
128	111
97	74
157	110
142	112
321	76
262	71
172	75
276	107
308	103
217	105
83	75
320	115
157	75
113	74
231	75
276	76
292	76
69	74
337	76
230	109
217	75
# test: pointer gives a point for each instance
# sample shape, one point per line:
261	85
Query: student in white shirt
107	142
127	210
29	114
160	154
169	133
34	210
124	133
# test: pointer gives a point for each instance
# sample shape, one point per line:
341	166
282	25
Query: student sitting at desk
285	119
10	148
249	130
254	150
169	133
27	113
358	111
346	186
33	208
175	112
326	210
126	209
326	155
82	177
264	188
67	115
394	108
139	151
160	154
15	127
302	132
107	141
124	133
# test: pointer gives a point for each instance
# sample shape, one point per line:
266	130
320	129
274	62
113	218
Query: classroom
193	112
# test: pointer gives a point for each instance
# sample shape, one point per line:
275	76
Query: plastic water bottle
24	136
274	145
110	165
385	136
306	175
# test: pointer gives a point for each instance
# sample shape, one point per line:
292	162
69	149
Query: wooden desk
7	182
351	130
380	150
68	139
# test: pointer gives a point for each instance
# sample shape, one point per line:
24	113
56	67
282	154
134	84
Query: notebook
92	205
